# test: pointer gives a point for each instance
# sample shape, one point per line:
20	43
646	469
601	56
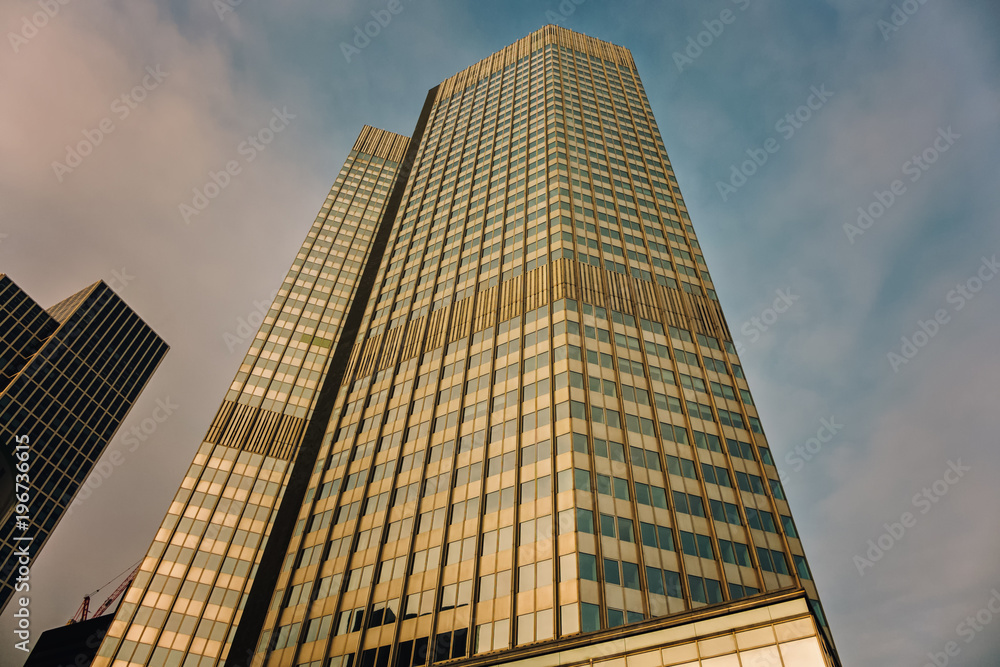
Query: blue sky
890	95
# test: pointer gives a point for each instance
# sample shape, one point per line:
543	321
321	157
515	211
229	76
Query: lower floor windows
492	636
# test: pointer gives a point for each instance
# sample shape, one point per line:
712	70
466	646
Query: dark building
68	377
72	645
494	415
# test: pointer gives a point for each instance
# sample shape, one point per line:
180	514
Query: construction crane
81	613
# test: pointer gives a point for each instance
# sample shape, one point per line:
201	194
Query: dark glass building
71	645
494	415
68	377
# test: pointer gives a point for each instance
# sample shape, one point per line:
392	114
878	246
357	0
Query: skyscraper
494	414
68	377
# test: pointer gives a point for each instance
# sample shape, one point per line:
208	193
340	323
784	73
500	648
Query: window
749	483
801	567
765	455
674	433
469	473
725	512
460	550
740	449
613	450
626	530
591	617
760	520
665	536
621	488
772	561
607	525
694	544
689	504
664	582
651	495
455	595
708	441
536	488
692	382
588	566
534	575
495	541
700	410
644	458
630	575
716	475
350	620
647	533
612	573
426	559
735	553
705	590
574	478
681	466
494	585
723	390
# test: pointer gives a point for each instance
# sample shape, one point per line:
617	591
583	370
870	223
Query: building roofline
548	34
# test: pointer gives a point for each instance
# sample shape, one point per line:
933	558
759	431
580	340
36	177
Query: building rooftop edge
62	310
381	143
548	34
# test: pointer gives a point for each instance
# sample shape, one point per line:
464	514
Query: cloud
825	357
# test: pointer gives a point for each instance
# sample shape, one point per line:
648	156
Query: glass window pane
654	578
584	521
607	525
626	532
611	572
630	575
590	617
588	566
648	533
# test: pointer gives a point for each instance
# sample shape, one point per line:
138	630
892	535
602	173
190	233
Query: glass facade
68	377
186	599
543	431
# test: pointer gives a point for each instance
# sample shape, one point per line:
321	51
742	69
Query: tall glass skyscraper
68	377
494	415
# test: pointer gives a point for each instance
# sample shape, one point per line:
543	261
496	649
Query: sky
838	160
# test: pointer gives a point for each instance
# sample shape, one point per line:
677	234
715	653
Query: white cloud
825	357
